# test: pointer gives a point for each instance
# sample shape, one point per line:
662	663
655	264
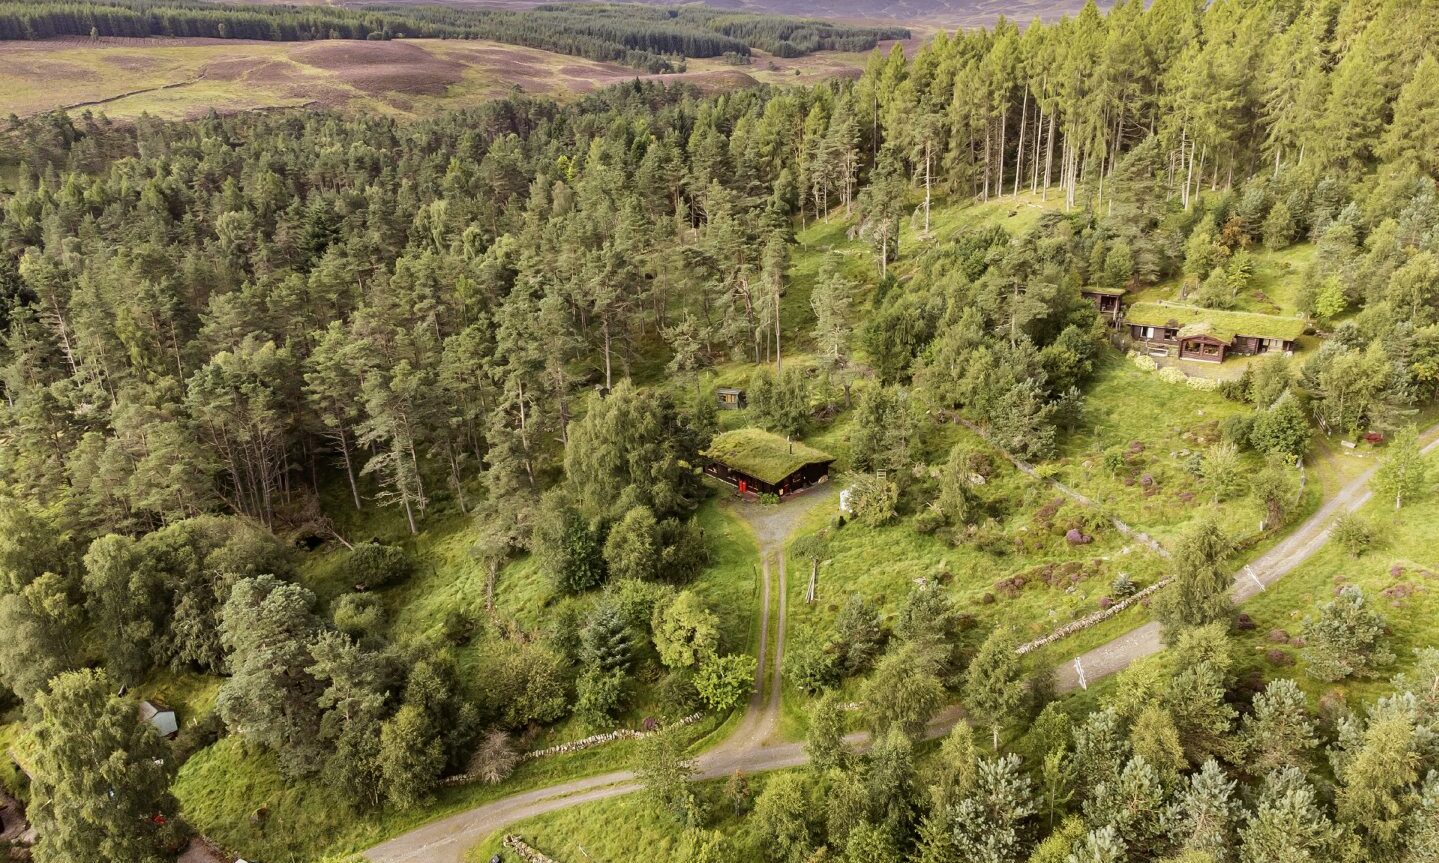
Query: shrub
1144	362
809	665
1353	533
1122	587
459	627
599	696
1345	639
196	736
1236	430
724	682
1202	384
1281	430
1171	375
873	501
676	691
358	614
374	565
496	758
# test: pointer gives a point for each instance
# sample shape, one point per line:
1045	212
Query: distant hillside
656	40
946	12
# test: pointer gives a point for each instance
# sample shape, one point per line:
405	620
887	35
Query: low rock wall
1092	619
578	745
525	852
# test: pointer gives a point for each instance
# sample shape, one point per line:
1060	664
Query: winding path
751	747
1274	564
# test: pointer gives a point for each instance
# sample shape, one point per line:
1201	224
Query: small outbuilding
729	398
1107	301
758	462
161	717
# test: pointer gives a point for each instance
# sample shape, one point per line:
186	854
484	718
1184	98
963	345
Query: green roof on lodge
1222	325
1108	292
766	457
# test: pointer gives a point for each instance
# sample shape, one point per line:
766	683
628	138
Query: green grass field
1162	425
630	828
1399	575
1274	289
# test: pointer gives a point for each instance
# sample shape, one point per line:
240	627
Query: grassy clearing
222	787
1029	577
1163	426
629	828
1274	289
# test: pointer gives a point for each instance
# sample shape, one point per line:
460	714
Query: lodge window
1147	332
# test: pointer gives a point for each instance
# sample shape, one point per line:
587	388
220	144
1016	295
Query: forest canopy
226	339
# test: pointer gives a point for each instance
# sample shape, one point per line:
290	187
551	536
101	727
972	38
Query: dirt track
1266	569
748	749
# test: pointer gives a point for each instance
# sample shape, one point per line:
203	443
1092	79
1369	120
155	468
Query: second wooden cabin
1208	335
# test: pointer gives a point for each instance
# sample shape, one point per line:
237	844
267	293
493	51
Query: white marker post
1079	670
1249	570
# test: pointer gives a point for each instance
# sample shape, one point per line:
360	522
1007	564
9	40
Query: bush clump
372	565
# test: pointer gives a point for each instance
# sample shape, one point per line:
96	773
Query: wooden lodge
1208	335
758	462
729	398
1109	302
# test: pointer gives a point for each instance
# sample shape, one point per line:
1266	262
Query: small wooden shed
759	462
160	717
729	398
1107	301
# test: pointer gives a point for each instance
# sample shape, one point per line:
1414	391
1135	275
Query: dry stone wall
525	852
577	745
1091	619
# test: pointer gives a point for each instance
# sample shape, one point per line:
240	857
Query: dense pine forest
654	39
258	368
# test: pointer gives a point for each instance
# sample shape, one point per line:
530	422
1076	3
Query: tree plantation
390	453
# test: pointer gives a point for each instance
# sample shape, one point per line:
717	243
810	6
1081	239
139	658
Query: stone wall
578	745
523	851
1091	619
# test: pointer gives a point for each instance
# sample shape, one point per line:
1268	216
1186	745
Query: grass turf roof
1160	314
1108	292
762	455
